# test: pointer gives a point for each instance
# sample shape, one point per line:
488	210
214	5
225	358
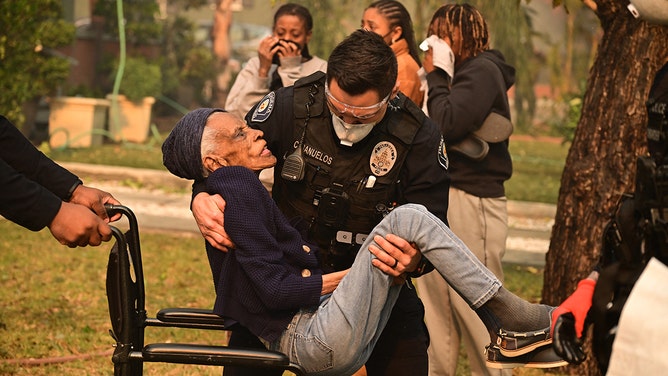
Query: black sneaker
542	357
514	344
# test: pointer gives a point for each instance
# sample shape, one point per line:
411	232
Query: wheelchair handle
115	209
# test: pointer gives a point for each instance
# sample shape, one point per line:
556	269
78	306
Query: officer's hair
466	18
397	15
361	62
291	9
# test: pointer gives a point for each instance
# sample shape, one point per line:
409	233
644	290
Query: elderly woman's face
238	144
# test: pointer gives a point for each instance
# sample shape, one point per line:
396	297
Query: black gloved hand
565	342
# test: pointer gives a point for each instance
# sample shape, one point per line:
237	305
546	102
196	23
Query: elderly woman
272	285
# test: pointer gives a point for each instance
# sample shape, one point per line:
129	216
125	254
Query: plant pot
77	121
130	121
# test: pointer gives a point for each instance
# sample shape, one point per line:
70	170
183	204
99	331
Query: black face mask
305	53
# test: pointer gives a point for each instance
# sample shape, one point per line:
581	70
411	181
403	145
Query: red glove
578	304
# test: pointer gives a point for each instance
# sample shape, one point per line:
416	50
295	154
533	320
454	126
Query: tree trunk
220	37
601	162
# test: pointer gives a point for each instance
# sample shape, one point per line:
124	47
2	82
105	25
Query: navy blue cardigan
273	272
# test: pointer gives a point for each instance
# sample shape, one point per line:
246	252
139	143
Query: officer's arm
426	180
208	211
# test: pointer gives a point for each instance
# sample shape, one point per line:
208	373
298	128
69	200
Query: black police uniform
342	192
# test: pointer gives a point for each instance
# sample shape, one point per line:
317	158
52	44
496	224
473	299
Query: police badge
383	157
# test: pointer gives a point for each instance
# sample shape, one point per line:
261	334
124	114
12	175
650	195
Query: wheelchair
129	320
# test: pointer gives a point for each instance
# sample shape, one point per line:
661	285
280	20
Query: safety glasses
360	113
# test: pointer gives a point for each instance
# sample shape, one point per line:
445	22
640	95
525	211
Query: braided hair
468	20
397	15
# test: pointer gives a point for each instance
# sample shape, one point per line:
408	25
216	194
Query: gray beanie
182	150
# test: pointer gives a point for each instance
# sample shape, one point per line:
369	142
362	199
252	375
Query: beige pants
482	224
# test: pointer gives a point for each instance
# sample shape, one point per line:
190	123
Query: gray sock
510	312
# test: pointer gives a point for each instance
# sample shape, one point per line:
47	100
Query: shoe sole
527	360
542	365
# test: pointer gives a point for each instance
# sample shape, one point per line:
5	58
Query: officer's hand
568	322
76	225
565	342
208	212
394	255
578	304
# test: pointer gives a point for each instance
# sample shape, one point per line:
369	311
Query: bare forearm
331	281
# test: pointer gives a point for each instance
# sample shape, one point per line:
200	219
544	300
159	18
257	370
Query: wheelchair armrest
194	318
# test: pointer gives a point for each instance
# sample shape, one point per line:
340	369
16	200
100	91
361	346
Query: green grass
113	154
537	165
53	301
537	169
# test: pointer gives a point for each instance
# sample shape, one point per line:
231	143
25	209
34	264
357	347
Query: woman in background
282	58
391	20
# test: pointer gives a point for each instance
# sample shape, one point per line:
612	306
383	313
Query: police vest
345	191
657	118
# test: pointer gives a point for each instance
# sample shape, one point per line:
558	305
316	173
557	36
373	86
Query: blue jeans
337	337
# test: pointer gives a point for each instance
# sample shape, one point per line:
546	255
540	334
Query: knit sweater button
306	273
306	248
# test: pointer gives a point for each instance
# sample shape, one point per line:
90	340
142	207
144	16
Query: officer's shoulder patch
443	155
264	108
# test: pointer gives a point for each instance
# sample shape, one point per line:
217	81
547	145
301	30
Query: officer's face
355	109
237	144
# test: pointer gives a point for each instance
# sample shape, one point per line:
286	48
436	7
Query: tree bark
601	162
220	37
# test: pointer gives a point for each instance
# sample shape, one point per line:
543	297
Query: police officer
636	234
353	148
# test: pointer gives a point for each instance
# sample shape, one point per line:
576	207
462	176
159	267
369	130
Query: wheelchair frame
126	299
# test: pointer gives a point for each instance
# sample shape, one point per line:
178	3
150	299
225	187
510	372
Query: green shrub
30	65
140	79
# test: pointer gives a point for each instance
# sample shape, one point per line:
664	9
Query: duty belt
348	237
